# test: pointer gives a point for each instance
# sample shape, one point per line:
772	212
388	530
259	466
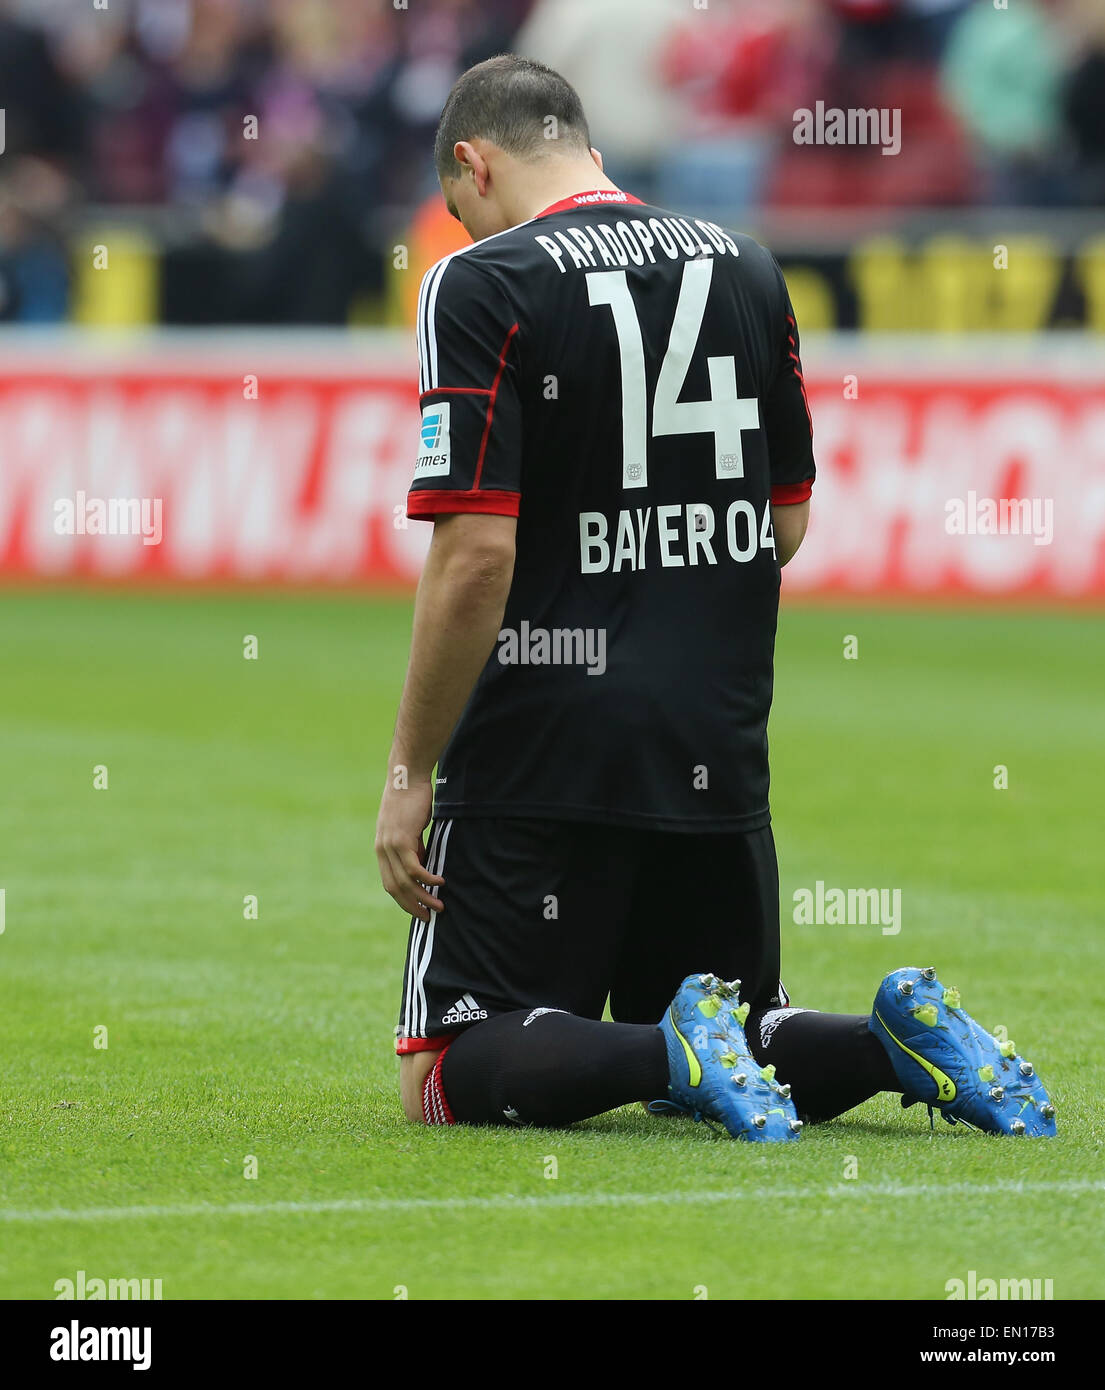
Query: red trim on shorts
405	1045
430	502
786	494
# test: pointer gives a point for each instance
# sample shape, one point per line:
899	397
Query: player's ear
469	157
596	155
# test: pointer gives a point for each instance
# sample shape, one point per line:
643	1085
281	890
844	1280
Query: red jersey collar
596	197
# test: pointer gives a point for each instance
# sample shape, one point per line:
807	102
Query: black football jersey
627	383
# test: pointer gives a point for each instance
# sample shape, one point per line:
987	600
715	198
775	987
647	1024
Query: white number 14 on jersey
724	415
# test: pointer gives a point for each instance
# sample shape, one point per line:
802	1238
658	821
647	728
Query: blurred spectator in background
283	237
875	31
613	53
1003	74
1083	100
34	270
883	59
347	98
42	148
272	155
744	65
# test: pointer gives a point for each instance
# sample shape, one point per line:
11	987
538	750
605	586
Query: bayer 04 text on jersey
673	535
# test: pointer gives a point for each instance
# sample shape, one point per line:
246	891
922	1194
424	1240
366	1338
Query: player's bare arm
457	615
789	522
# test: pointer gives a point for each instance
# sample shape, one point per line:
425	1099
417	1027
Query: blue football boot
944	1058
713	1074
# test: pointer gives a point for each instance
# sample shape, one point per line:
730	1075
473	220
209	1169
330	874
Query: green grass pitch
271	1038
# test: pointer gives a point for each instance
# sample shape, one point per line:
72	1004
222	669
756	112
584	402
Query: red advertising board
293	468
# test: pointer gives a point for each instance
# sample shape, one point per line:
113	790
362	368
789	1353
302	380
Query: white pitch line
506	1202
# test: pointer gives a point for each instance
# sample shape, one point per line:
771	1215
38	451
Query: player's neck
554	185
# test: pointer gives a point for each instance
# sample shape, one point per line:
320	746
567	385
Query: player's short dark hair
508	100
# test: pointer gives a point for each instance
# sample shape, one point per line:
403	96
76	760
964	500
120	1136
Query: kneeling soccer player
616	453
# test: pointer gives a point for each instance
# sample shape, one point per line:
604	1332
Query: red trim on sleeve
405	1045
425	505
786	494
595	197
491	404
455	391
798	371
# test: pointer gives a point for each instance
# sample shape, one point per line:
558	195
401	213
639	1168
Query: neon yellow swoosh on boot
693	1064
944	1084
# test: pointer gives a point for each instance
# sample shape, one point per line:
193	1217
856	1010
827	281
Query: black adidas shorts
563	914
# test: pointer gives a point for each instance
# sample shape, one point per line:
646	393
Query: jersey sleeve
470	450
787	419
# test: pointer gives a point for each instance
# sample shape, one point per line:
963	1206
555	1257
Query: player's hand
404	815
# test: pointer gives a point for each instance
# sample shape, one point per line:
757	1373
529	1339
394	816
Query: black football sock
831	1061
547	1067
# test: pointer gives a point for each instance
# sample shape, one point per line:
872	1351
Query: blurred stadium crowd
138	116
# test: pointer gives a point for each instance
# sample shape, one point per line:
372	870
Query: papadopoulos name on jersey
682	534
636	240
